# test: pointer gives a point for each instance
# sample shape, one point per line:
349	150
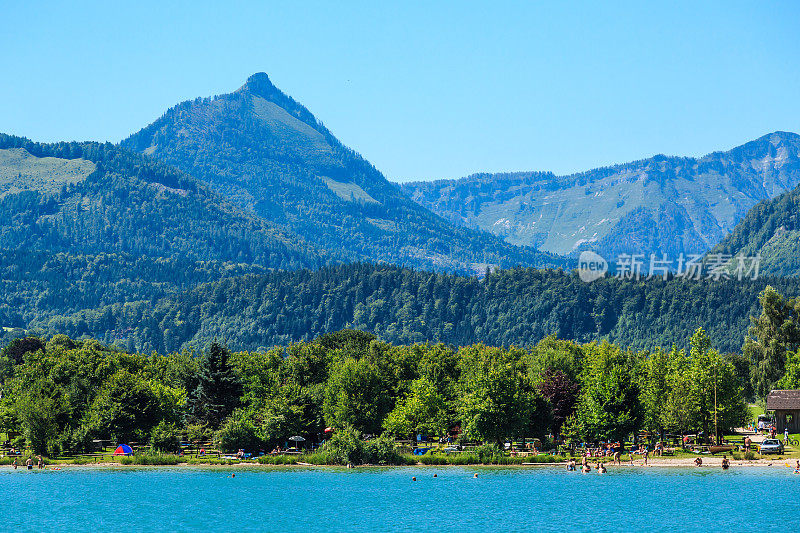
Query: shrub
164	438
237	432
488	452
749	456
382	450
345	446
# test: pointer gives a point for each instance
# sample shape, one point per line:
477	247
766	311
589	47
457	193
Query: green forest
772	229
131	204
168	305
60	394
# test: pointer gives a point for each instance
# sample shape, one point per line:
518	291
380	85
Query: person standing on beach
786	436
747	443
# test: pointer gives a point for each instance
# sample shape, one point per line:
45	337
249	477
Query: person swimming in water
601	468
586	469
571	465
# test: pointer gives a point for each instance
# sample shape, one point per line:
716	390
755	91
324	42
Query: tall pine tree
218	388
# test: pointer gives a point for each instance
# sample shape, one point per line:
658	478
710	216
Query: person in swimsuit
601	468
29	463
725	463
571	465
586	469
698	462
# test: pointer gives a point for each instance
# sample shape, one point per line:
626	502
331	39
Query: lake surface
386	499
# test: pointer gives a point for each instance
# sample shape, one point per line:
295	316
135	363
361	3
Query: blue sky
427	90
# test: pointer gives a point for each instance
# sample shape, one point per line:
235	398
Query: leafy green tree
791	379
495	396
165	437
39	420
554	355
218	388
126	408
609	408
238	432
356	396
716	395
655	387
774	334
17	348
424	411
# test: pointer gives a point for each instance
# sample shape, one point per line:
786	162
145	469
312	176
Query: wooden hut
786	406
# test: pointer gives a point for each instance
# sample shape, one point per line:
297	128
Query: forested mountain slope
508	307
662	204
270	155
772	229
90	198
37	286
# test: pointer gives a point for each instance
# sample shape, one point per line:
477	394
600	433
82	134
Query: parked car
771	446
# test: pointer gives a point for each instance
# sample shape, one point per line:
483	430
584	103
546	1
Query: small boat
721	449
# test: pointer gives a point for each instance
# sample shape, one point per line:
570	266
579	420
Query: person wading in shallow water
725	463
29	463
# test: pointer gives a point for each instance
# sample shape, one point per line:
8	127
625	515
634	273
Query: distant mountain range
662	204
216	219
271	157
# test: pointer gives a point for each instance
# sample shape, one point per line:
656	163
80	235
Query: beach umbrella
297	438
123	449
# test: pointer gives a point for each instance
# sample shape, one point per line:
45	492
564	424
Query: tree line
184	307
60	394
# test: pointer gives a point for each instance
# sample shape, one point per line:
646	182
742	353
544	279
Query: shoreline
660	463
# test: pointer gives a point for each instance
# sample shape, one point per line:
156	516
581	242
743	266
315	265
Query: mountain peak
260	85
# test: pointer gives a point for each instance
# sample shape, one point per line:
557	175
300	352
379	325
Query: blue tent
123	449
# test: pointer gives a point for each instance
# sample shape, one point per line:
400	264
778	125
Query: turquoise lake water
386	499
